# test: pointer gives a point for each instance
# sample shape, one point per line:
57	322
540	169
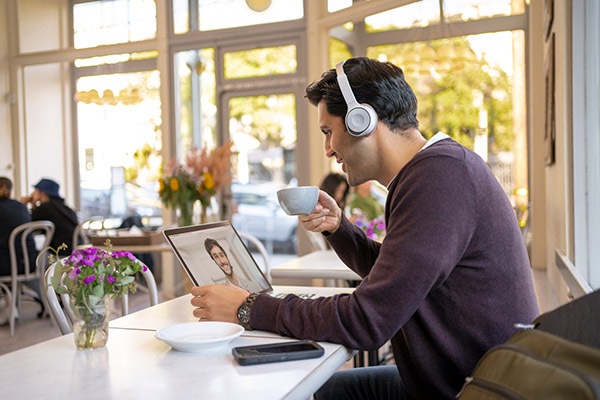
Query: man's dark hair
210	243
379	84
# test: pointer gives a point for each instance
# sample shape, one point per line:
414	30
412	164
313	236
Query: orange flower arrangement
200	177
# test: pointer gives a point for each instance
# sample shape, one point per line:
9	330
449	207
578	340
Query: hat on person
49	187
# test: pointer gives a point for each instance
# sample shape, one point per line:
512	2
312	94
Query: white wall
5	141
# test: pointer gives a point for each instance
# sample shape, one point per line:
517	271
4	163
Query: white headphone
360	119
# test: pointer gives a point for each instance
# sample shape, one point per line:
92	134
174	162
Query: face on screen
220	258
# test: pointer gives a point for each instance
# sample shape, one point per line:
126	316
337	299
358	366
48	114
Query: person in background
46	204
336	185
450	279
12	214
363	203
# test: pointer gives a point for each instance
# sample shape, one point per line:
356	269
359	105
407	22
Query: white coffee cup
298	200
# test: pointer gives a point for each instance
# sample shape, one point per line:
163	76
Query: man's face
221	260
36	196
349	151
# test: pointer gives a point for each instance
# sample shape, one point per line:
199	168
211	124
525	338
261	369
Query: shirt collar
434	139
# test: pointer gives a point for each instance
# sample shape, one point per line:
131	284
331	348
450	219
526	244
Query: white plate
199	336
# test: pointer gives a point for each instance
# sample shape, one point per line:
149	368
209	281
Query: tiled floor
30	330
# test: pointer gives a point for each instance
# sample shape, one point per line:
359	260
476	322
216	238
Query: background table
322	264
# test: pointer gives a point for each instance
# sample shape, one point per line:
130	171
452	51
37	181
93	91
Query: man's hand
327	215
218	302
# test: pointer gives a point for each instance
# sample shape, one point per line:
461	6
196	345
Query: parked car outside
136	201
258	213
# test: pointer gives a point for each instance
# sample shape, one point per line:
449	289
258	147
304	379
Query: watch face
244	315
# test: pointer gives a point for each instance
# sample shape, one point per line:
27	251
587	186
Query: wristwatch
245	309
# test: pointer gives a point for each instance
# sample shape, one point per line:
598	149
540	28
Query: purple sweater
448	282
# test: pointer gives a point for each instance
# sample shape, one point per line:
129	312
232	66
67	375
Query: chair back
81	233
149	288
65	324
64	316
262	250
22	232
17	240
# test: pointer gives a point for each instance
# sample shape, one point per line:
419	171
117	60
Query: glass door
119	136
263	129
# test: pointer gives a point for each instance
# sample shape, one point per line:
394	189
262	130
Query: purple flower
89	279
87	261
111	279
144	268
122	254
74	272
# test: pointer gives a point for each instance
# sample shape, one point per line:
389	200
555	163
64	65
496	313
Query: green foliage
452	95
338	51
264	117
260	62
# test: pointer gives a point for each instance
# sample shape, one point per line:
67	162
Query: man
219	256
46	204
451	277
12	214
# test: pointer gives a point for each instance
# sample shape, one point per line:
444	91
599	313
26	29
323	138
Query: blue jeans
376	383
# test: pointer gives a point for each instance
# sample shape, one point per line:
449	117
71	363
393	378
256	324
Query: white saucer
199	336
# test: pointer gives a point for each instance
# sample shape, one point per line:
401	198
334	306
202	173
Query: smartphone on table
276	352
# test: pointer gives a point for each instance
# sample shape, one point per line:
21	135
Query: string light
127	96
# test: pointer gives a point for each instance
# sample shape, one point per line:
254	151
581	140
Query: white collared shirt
434	139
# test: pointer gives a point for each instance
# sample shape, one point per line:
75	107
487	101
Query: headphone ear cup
361	120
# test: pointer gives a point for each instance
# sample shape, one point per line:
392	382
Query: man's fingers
200	290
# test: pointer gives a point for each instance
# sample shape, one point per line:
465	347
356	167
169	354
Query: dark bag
540	363
578	320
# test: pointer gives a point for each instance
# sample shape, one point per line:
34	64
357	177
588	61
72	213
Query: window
98	23
118	120
260	62
586	145
223	14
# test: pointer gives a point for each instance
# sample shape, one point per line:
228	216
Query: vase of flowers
92	277
197	180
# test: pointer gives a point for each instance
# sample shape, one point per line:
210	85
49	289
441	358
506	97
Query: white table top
323	264
135	365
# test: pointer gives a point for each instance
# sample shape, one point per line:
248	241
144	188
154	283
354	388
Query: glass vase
90	328
185	213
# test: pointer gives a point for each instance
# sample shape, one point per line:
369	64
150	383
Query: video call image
217	255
